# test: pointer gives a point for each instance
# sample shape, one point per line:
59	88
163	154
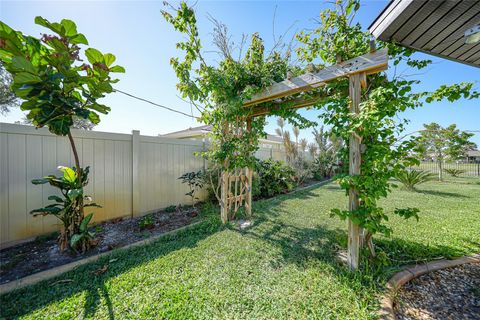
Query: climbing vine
377	124
220	92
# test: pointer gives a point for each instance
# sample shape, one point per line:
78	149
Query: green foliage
82	240
195	181
48	76
8	99
171	208
146	222
326	154
454	172
411	178
219	91
438	143
58	88
67	207
383	155
223	89
272	178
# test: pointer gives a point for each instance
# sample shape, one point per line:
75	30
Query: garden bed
452	293
42	254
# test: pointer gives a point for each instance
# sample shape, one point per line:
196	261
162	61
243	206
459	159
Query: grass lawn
283	267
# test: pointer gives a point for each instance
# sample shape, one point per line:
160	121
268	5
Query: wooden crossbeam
296	104
368	63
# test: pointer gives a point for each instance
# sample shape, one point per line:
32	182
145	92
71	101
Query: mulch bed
41	254
452	293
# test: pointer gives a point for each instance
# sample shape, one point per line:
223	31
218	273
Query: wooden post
135	173
354	231
249	180
224	195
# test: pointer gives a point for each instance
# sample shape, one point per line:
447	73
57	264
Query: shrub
74	233
411	178
171	208
302	169
146	222
272	178
454	172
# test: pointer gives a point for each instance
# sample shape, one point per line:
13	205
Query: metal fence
467	169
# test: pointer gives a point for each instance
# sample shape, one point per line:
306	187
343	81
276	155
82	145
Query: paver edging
56	271
386	311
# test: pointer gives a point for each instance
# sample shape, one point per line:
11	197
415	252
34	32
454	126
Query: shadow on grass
26	300
443	194
298	245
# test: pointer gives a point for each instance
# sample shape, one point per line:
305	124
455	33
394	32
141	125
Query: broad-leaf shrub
66	208
272	177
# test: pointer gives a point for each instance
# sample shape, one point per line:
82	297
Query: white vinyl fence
130	174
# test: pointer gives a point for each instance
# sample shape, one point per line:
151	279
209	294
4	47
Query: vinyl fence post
135	172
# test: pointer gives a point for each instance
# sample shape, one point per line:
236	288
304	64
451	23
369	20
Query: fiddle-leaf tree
55	85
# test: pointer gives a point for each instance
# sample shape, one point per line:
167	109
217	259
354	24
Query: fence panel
468	169
130	174
27	153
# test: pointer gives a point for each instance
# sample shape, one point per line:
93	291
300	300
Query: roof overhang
431	26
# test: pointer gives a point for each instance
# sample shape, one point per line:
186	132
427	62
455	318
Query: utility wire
155	104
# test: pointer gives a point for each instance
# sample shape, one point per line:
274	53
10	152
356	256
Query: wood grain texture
368	63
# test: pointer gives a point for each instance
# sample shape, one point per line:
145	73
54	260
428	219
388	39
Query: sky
143	42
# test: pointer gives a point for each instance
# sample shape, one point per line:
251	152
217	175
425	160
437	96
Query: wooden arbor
356	70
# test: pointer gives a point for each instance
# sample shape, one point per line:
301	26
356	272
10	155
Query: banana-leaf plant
54	83
74	232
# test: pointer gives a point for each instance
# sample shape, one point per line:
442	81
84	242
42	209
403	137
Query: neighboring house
200	132
473	156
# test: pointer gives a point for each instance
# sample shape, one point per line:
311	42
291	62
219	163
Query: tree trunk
79	174
440	170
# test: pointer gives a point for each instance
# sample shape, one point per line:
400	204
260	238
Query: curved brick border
399	279
54	272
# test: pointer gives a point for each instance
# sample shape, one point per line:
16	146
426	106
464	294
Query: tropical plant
411	178
84	239
454	172
440	144
326	161
56	86
74	233
195	182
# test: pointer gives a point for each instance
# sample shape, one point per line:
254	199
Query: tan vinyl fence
130	174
